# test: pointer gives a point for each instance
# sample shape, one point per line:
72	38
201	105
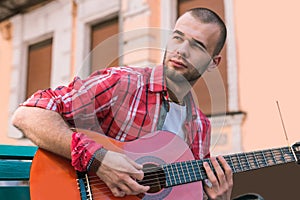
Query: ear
214	63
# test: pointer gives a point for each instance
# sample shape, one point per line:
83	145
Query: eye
197	46
176	37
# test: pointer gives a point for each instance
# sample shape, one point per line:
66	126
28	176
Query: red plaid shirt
123	103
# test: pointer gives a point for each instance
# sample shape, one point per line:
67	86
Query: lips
177	64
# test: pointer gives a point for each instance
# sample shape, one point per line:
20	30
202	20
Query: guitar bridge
84	186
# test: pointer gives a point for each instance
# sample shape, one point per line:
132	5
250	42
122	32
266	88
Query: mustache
176	57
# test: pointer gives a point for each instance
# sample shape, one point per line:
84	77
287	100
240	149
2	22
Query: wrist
96	160
82	150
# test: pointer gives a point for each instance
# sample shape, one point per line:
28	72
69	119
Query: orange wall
5	72
268	42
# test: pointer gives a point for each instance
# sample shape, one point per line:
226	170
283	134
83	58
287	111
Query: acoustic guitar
169	167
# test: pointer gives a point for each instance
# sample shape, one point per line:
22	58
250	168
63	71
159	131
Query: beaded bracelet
96	160
82	151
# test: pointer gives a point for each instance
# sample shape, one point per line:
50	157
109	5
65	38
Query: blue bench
15	162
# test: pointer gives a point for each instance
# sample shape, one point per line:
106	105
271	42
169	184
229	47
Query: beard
189	75
179	77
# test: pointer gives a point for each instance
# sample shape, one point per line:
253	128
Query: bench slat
14	170
17	152
15	163
14	192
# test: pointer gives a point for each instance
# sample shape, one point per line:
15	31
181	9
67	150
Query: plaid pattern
123	103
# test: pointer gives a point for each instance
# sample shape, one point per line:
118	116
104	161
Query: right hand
119	173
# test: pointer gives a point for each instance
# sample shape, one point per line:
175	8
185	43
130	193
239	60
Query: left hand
221	182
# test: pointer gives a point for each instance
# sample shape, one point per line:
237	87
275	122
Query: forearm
45	128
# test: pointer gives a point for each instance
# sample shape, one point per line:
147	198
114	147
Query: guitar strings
96	181
256	162
100	183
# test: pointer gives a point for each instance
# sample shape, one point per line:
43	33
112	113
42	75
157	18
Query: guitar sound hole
154	177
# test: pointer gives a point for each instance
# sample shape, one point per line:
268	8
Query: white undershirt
175	119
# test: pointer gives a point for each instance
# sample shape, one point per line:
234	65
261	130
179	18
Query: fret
261	159
232	160
167	174
173	176
236	165
186	172
266	160
182	174
265	156
269	157
283	155
234	170
202	171
197	170
287	154
178	174
239	161
230	163
238	156
193	176
251	160
274	157
249	165
245	161
210	164
278	156
256	159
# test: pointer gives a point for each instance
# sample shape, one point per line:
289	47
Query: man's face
189	50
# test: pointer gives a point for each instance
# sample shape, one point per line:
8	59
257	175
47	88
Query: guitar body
53	177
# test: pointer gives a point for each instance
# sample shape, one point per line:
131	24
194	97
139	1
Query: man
126	103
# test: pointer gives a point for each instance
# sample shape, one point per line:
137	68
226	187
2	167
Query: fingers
134	164
227	170
220	181
131	187
119	173
221	175
211	176
117	192
136	172
122	184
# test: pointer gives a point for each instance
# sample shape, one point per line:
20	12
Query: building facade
48	45
58	40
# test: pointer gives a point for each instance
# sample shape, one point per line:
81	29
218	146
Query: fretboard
191	171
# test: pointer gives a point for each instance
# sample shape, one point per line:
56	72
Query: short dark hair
206	15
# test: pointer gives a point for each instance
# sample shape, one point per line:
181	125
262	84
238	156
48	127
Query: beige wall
268	41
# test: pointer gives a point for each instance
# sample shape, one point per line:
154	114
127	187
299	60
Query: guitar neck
190	171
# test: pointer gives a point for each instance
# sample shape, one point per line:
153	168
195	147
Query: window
105	44
39	66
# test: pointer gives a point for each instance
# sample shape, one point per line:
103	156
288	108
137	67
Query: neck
175	99
177	92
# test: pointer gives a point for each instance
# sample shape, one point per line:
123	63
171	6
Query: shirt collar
158	84
157	80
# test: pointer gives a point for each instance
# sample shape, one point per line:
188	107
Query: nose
183	49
